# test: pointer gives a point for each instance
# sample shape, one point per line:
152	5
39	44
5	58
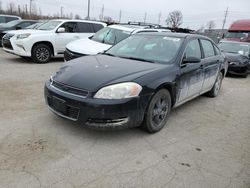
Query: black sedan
137	81
238	56
14	25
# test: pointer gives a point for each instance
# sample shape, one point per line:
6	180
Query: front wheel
158	111
41	53
217	86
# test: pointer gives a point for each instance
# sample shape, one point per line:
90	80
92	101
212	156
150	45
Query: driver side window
193	49
70	27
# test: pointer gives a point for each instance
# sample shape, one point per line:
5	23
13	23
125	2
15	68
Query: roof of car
228	41
10	16
129	28
179	35
75	20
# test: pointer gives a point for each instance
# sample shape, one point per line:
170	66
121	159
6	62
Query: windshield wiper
109	54
137	59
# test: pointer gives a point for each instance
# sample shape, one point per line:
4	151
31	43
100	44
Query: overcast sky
196	13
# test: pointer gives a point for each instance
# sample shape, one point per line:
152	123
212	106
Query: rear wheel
217	86
158	111
41	53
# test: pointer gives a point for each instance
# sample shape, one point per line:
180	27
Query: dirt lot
205	144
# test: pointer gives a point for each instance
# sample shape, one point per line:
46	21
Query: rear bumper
98	113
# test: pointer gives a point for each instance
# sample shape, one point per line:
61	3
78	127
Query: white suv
49	39
104	39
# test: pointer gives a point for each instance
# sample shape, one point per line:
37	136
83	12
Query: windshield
160	49
238	35
233	47
12	23
50	25
110	36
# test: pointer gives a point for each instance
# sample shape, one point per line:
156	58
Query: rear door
84	29
192	77
210	64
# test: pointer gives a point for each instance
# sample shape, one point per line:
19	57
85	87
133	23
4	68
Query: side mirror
18	28
191	60
61	30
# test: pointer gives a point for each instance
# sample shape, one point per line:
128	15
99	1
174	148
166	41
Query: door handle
77	37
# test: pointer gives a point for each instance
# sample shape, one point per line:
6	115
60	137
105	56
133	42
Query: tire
217	86
245	76
41	53
157	112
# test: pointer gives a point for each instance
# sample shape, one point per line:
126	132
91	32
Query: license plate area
59	105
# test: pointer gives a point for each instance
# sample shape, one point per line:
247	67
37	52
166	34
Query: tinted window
217	51
85	27
25	24
208	48
70	27
193	49
160	49
8	19
97	27
110	36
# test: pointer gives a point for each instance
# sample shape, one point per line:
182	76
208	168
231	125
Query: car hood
87	46
93	72
31	31
233	57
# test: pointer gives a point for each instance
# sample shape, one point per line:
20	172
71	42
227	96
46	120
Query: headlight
234	63
119	91
23	36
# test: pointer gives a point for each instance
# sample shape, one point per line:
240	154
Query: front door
62	39
192	77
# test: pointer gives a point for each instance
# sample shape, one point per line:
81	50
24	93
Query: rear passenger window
8	19
208	48
193	49
217	51
85	28
97	27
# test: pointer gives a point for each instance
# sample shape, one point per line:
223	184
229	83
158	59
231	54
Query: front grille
69	55
69	89
6	41
70	113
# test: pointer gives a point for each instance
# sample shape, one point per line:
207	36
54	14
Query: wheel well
223	72
49	44
171	90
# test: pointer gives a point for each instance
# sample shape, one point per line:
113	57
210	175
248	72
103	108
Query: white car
103	40
48	40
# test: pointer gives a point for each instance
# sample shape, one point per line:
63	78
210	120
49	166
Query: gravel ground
205	144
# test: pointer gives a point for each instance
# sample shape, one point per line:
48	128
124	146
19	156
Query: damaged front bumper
97	113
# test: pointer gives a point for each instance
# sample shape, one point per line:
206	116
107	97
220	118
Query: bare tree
77	17
1	8
211	25
174	19
11	8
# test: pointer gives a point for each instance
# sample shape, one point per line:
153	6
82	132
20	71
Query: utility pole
26	9
19	9
120	16
225	19
61	11
102	12
88	17
159	18
145	17
30	6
